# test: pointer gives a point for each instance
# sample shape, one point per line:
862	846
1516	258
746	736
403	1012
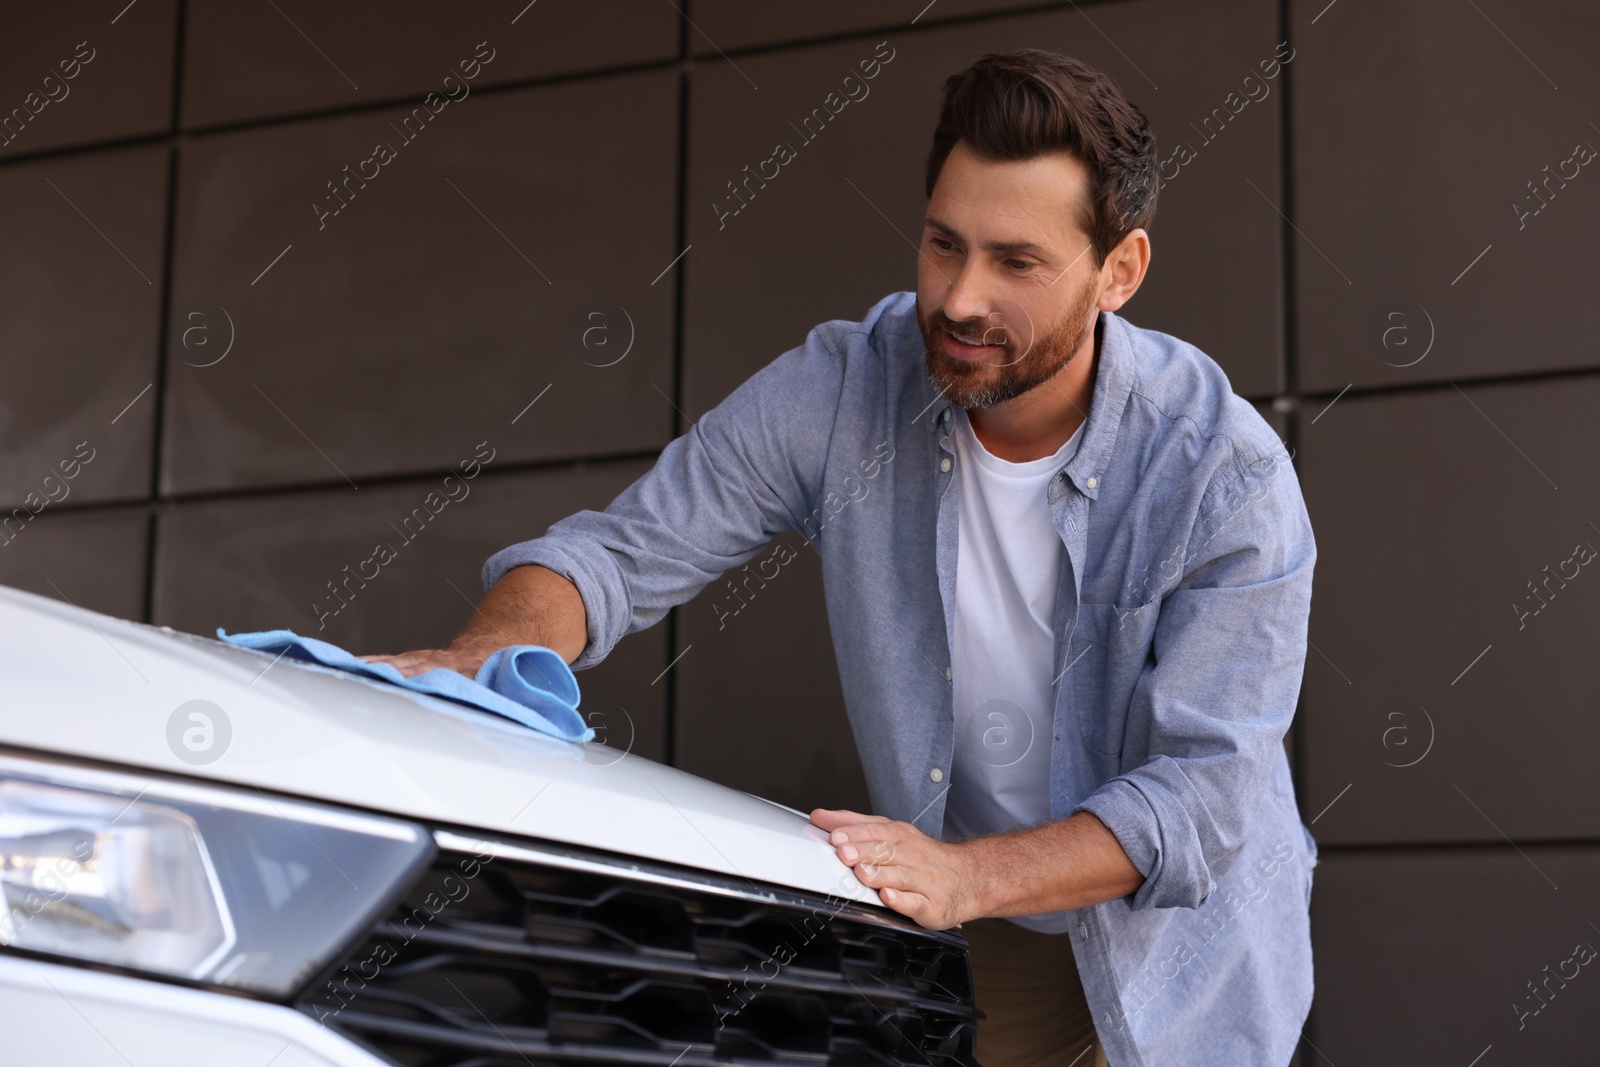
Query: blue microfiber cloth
529	684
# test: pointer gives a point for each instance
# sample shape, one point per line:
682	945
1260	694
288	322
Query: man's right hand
465	657
529	605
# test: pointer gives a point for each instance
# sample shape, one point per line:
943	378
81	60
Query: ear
1124	269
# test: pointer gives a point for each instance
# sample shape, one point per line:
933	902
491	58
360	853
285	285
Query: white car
209	856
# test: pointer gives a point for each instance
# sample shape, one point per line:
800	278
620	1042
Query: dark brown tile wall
1423	132
94	559
1448	955
265	385
246	62
1435	509
445	293
81	231
731	24
85	73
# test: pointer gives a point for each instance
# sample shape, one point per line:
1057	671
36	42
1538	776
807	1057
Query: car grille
509	957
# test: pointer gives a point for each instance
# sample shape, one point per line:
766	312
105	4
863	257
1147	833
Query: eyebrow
993	246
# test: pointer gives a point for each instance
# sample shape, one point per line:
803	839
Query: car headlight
208	884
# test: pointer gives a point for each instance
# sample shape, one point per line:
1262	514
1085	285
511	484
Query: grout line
1506	378
151	527
1289	371
987	14
169	256
295	118
1289	335
111	144
1475	844
1289	379
676	629
377	481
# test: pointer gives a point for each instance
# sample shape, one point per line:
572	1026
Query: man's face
1004	261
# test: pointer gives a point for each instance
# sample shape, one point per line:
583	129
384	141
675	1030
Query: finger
413	668
878	852
409	667
397	658
869	852
831	819
411	664
423	660
893	876
913	906
876	830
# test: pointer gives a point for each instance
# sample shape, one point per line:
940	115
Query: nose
967	299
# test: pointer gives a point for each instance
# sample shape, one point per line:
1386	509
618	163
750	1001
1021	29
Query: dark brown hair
1019	105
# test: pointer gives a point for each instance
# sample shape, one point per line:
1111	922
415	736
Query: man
1068	596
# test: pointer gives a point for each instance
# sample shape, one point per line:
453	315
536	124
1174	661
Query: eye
941	244
1018	264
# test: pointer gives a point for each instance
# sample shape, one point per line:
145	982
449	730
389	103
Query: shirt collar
1112	385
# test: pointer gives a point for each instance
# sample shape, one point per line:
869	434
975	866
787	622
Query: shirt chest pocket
1109	650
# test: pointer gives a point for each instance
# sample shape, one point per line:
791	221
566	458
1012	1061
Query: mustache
975	332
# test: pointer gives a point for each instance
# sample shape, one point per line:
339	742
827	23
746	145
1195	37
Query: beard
983	383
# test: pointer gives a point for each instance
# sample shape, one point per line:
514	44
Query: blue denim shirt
1181	631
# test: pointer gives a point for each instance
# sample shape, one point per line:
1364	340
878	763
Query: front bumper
507	952
54	1013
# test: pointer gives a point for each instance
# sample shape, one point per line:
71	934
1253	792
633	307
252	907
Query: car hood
84	684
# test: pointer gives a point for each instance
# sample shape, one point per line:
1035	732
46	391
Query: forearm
529	605
1073	863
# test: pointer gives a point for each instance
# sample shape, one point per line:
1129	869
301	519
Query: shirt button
947	674
1092	482
947	415
936	775
944	464
1083	930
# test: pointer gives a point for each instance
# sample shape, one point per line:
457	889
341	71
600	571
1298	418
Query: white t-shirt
1009	559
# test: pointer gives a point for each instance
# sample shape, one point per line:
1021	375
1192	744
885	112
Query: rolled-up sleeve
714	498
1218	694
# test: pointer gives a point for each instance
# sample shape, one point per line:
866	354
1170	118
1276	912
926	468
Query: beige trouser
1027	984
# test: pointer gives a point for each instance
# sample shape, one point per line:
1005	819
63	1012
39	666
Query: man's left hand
930	881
